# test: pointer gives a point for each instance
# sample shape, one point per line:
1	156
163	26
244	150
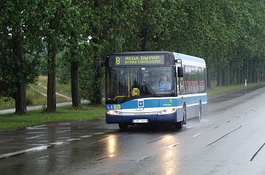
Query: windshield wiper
150	89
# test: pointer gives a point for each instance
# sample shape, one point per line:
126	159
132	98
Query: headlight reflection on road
112	143
170	156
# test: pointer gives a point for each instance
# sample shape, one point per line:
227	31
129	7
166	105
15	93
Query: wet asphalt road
229	140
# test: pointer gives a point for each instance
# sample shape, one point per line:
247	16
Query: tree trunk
223	75
98	94
96	84
51	85
218	77
245	71
76	101
20	98
242	77
209	85
20	95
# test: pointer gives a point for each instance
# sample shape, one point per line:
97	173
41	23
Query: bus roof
141	52
190	60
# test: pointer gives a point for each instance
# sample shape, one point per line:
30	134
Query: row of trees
229	34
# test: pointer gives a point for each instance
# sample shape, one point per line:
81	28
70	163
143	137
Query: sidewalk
31	108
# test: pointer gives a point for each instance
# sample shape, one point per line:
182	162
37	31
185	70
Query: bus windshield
125	83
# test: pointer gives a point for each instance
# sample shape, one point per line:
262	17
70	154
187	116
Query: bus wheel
178	125
200	111
123	126
184	114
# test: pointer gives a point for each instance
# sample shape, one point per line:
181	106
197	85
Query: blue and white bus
154	87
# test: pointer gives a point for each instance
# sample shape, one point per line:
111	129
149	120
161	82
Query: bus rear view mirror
180	71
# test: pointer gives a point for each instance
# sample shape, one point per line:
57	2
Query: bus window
193	80
150	81
121	81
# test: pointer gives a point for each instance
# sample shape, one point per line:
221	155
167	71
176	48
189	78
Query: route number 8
118	60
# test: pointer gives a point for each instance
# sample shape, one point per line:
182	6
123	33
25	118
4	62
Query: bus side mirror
180	71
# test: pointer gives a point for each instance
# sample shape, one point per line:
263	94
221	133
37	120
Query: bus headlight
168	111
113	112
110	112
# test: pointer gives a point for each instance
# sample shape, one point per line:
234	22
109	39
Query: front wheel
123	126
200	111
179	125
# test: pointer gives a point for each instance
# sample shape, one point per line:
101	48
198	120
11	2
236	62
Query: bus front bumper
136	119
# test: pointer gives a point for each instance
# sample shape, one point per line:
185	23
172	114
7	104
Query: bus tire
123	126
200	111
184	114
179	125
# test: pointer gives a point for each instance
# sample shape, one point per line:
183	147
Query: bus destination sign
139	60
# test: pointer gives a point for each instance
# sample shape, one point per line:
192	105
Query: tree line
76	35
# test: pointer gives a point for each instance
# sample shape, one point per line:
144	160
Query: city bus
154	87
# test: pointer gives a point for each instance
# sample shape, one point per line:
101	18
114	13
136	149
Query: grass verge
223	89
37	94
67	113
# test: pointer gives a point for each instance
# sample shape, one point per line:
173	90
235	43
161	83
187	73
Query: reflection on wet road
112	146
170	165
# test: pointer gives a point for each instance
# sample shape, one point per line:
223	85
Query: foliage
16	27
228	34
19	50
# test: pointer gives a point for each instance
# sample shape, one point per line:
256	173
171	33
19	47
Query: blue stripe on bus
166	102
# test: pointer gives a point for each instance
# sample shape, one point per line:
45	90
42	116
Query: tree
53	25
80	11
52	43
18	55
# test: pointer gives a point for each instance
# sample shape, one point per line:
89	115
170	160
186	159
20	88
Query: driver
163	84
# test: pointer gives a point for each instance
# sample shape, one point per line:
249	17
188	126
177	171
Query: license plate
140	121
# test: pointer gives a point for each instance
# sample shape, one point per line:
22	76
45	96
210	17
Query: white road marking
86	136
34	137
98	133
57	143
196	135
38	148
142	158
173	145
73	139
215	127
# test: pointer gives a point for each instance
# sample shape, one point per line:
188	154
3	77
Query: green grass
223	89
67	113
35	94
7	103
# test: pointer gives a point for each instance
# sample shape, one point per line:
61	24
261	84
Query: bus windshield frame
139	80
